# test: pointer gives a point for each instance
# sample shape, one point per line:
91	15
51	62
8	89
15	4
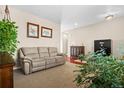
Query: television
103	45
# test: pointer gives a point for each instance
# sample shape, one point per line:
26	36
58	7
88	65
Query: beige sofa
38	58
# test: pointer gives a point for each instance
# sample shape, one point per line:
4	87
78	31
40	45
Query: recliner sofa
38	58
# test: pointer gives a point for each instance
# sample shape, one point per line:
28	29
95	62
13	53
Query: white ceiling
73	16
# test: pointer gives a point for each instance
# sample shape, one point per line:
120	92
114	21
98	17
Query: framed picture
32	30
46	32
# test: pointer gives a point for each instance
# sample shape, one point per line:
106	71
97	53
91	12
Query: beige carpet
57	77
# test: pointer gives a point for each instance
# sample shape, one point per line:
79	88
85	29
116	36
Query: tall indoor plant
8	38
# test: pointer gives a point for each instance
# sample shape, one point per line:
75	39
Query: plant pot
5	58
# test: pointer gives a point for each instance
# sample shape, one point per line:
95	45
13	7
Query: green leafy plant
81	57
100	71
8	37
65	54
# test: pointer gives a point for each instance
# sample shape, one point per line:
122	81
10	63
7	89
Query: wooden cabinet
6	71
75	51
6	76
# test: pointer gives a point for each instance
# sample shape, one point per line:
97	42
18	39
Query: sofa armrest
27	59
60	54
27	65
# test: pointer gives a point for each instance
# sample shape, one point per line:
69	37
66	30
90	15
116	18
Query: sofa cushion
44	54
38	59
51	65
38	68
33	56
43	51
50	60
52	51
59	58
29	50
38	64
53	54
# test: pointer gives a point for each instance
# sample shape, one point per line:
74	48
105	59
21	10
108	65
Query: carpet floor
58	77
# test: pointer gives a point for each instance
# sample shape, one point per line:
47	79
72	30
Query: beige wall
21	18
113	29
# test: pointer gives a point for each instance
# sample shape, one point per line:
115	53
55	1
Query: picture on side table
32	30
46	32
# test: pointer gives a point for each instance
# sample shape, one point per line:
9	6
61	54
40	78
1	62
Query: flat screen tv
104	45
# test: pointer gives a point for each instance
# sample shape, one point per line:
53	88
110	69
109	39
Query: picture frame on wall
32	30
46	32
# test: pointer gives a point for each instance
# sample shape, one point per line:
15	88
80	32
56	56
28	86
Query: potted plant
100	72
8	40
66	54
81	57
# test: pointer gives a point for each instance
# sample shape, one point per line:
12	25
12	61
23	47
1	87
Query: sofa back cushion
43	52
31	52
52	51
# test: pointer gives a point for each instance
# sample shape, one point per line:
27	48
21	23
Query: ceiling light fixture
109	17
76	24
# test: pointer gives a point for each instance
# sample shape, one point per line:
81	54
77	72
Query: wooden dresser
6	72
75	51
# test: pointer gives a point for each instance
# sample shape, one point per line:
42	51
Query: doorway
65	43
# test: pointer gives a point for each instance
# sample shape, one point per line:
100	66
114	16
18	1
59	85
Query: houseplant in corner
8	45
8	39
